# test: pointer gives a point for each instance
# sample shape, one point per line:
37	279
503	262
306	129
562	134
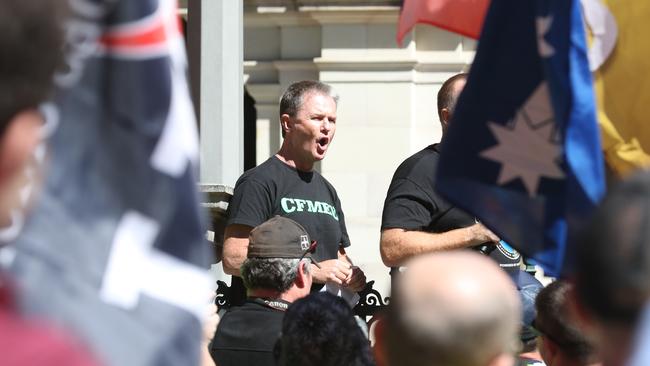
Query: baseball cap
280	237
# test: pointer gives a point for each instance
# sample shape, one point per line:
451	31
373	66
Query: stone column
215	47
215	54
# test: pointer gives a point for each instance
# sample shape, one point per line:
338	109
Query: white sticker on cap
304	242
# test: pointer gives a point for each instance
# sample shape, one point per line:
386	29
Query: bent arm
398	245
235	248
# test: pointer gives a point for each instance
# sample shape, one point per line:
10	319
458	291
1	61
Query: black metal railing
370	302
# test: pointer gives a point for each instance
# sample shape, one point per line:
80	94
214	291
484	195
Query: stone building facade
387	107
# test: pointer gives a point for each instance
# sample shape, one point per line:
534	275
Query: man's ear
302	277
285	123
17	144
550	348
444	117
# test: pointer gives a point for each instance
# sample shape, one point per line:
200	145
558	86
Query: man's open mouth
322	142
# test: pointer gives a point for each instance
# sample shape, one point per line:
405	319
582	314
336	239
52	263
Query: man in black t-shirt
287	185
417	220
276	273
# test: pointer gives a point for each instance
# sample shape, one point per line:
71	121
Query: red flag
459	16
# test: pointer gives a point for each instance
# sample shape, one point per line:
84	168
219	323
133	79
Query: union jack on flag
114	249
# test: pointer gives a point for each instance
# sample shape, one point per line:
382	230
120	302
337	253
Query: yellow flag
622	86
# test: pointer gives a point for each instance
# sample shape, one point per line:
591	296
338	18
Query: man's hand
357	280
481	234
333	270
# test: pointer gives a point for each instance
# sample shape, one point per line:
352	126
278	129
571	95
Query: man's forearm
235	248
232	262
399	245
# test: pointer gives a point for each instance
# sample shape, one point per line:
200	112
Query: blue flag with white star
523	150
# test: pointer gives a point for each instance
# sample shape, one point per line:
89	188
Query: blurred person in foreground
276	273
441	313
613	269
561	341
31	40
320	330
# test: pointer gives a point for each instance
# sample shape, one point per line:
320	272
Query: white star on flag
526	149
543	25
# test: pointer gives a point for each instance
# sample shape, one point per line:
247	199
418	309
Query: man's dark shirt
246	335
275	188
412	203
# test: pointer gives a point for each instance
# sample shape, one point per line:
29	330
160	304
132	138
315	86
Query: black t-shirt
412	203
246	335
275	188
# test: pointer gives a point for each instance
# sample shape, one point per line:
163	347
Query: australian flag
114	249
523	152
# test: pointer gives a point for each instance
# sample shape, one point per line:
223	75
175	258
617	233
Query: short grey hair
271	273
293	97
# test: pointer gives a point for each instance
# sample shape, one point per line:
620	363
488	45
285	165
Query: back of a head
613	257
320	330
277	274
275	249
454	309
446	95
31	40
555	322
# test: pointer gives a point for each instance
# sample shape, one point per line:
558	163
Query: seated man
442	314
562	341
275	273
320	330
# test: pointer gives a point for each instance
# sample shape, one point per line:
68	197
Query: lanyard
276	304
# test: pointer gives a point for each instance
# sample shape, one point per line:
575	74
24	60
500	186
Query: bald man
442	314
417	220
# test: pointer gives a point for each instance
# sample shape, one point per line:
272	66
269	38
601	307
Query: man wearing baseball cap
275	273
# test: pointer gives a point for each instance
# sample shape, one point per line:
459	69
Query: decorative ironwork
370	301
222	300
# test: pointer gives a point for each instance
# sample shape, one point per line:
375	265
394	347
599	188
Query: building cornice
321	15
